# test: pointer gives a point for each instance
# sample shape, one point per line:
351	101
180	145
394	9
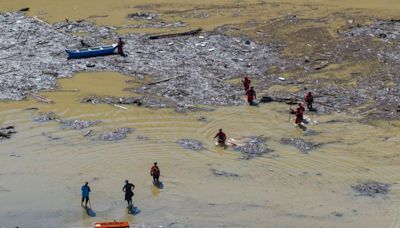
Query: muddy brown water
40	179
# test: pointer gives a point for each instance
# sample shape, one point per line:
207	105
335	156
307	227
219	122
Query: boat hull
91	52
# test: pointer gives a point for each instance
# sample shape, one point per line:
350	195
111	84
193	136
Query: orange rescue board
111	225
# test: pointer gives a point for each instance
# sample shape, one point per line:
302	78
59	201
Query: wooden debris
189	33
32	108
164	80
24	9
40	98
119	106
87	133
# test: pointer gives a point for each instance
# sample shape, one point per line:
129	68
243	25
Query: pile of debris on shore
187	70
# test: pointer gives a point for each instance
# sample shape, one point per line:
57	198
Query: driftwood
41	21
41	98
6	132
24	9
87	133
189	33
119	106
6	128
33	108
164	80
287	100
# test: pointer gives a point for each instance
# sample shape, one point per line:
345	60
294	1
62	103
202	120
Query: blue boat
91	52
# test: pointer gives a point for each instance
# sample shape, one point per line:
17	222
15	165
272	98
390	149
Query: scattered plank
188	33
6	128
87	133
32	108
119	106
41	98
41	21
24	9
164	80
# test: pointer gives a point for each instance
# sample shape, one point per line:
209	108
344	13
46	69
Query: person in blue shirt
85	194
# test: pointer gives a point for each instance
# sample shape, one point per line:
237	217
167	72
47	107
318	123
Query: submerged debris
50	136
142	137
78	124
224	173
116	135
6	132
255	147
45	117
112	100
200	64
202	119
190	144
300	144
143	16
372	188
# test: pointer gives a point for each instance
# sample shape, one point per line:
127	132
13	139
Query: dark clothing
221	137
251	95
309	99
85	199
246	83
128	189
156	178
299	115
120	47
155	172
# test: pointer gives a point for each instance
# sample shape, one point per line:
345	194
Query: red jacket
155	171
221	136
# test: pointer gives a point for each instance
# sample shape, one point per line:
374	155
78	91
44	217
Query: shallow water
41	178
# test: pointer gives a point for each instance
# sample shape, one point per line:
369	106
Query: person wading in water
85	194
251	95
309	99
128	189
221	137
299	114
155	172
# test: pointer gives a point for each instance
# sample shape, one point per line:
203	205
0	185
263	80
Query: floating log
188	33
41	98
24	9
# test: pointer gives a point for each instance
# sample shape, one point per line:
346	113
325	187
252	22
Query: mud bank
187	70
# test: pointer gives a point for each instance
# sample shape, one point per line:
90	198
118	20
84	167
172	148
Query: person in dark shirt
309	99
128	189
221	137
85	194
120	46
251	95
155	172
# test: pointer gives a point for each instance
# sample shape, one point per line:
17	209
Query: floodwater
40	178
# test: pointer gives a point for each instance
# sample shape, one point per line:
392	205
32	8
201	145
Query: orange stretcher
111	225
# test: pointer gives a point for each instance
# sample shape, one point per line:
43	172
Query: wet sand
40	178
